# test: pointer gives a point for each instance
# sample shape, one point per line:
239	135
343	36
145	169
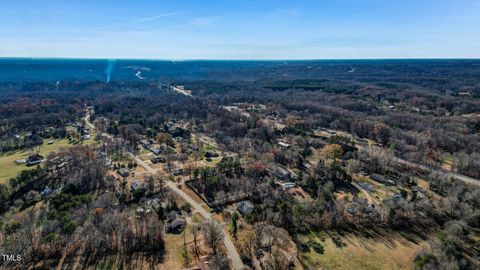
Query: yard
379	191
8	167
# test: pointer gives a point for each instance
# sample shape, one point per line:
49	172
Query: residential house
46	192
174	224
284	145
139	212
155	150
246	208
293	175
145	143
156	206
287	185
177	171
381	179
135	185
282	173
108	163
211	154
124	172
34	159
158	159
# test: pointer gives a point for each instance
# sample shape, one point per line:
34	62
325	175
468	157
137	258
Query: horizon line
228	59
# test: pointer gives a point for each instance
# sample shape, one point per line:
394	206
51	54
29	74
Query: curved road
232	251
461	177
449	174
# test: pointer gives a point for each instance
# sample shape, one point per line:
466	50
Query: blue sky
240	29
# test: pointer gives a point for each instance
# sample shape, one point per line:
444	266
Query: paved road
86	120
183	92
461	177
449	174
232	251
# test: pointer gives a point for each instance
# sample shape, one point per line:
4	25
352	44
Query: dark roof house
210	154
158	159
171	216
155	150
174	224
177	171
135	185
34	159
282	173
124	172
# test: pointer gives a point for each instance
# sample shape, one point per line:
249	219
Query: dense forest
405	132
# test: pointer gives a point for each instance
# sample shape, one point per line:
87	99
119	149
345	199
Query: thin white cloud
147	19
143	20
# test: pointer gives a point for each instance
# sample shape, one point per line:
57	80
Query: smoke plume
109	69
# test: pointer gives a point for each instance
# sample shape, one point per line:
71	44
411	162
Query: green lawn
8	167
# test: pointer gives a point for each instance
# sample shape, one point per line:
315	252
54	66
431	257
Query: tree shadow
390	238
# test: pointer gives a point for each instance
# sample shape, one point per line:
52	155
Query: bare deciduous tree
213	234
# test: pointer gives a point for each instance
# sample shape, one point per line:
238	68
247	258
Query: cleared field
358	252
173	245
8	167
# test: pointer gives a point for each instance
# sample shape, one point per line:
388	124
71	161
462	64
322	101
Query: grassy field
8	167
358	252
